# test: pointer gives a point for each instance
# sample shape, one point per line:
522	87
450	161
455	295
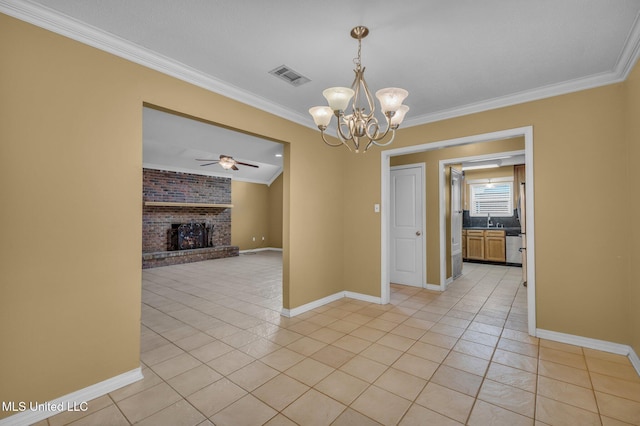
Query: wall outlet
376	208
254	238
262	238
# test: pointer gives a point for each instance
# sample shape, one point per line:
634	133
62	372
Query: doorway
501	157
523	132
407	214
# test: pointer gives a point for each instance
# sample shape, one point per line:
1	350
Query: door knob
418	233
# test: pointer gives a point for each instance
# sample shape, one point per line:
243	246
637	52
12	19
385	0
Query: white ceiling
172	142
454	57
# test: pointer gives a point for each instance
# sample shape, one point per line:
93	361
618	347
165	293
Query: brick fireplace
185	218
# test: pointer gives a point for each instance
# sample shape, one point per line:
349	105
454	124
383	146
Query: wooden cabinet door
495	248
464	244
475	247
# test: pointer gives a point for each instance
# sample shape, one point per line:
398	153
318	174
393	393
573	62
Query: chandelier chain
358	60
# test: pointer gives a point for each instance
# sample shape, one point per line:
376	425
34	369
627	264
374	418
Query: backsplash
507	222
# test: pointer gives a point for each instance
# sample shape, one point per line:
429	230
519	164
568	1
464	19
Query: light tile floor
215	350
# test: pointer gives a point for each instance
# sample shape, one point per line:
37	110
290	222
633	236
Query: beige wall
579	146
431	159
71	159
71	174
256	214
632	103
249	215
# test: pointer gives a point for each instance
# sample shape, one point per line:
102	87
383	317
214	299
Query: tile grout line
484	377
407	303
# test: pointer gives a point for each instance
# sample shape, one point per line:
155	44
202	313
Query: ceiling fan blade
208	164
247	164
234	167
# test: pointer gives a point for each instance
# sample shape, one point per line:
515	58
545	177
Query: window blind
493	199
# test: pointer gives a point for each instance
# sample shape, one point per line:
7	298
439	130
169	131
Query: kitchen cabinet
475	244
485	245
495	246
464	243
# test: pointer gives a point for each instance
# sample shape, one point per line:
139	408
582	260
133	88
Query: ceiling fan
226	162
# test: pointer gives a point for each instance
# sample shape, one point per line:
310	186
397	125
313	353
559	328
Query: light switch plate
376	208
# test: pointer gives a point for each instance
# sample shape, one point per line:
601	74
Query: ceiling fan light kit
360	127
226	162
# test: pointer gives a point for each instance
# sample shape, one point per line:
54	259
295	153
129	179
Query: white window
495	199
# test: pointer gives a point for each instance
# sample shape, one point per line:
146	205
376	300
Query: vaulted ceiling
454	57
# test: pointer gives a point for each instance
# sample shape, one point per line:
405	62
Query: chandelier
359	127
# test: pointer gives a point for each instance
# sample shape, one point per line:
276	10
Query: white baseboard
363	297
586	342
601	345
434	287
260	249
635	361
312	305
332	298
75	400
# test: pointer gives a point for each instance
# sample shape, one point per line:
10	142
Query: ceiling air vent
285	73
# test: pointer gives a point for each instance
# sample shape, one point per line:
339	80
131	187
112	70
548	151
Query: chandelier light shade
358	128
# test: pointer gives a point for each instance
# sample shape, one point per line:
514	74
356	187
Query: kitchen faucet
489	220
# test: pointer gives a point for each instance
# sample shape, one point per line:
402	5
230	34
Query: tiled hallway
215	350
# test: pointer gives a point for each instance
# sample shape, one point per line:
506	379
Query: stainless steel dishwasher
513	254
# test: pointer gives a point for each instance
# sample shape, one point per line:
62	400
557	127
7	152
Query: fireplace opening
189	236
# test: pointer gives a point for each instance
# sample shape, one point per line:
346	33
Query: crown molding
74	29
625	63
630	53
275	176
537	94
51	20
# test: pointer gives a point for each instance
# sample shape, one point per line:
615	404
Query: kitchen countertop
510	231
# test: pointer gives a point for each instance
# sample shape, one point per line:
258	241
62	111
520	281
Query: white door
407	213
456	222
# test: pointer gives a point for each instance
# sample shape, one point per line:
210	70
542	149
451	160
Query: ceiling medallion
358	129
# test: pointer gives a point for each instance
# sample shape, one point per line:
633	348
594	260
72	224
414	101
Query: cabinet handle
418	233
